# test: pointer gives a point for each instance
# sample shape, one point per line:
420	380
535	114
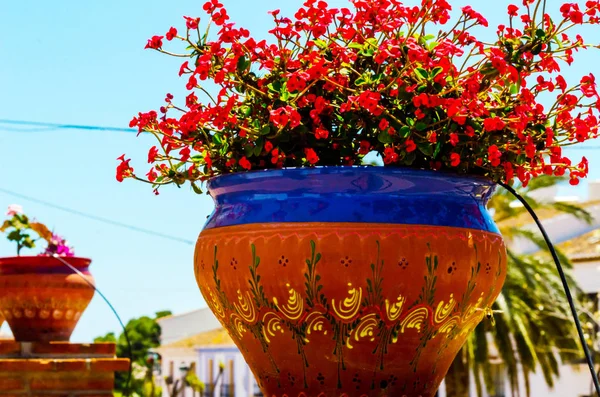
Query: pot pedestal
56	368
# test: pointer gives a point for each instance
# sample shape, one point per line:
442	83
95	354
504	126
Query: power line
98	218
64	126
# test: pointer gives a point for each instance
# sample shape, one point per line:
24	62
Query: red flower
389	155
472	14
124	170
244	163
454	159
410	146
370	101
211	5
321	133
220	16
453	138
383	124
155	42
171	33
268	146
588	86
493	124
311	156
152	153
184	68
151	175
512	10
530	150
432	138
296	82
185	153
191	23
365	147
494	155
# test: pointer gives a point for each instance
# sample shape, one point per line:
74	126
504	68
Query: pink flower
14	209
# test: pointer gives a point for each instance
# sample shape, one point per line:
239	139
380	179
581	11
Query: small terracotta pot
41	298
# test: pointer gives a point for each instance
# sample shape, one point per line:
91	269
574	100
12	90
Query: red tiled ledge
33	369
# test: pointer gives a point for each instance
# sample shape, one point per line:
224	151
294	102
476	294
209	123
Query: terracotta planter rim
44	261
237	177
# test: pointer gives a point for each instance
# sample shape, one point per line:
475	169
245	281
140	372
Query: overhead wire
98	218
65	126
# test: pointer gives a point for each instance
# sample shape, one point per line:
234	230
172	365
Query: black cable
563	278
98	218
129	348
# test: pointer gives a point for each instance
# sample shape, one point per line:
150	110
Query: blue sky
75	62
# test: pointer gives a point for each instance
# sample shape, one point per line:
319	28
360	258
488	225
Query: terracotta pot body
41	298
351	282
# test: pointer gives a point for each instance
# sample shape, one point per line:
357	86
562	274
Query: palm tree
532	328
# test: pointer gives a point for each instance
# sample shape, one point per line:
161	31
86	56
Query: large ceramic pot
350	281
41	298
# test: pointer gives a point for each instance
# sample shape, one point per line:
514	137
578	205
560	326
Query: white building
196	338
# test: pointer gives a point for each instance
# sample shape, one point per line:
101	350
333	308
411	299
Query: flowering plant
337	84
18	226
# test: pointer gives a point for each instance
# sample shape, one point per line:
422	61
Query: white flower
14	209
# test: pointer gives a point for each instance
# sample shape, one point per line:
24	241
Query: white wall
243	378
559	228
172	359
182	326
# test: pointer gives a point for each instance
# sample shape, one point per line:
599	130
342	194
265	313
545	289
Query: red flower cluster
335	85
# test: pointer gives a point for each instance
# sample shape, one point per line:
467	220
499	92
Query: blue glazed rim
352	194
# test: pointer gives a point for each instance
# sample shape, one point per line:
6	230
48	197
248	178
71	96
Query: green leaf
275	86
284	94
246	110
421	126
438	146
265	130
426	148
422	73
217	139
364	79
196	188
367	52
320	43
242	64
431	46
404	131
410	158
540	33
259	147
437	70
384	137
355	45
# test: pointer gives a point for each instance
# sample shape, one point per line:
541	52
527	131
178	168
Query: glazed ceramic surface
41	298
349	281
